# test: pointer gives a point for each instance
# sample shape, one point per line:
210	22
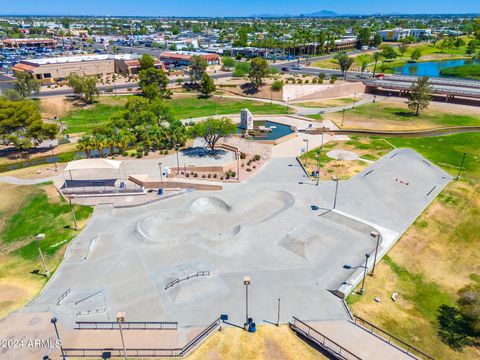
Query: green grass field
435	257
467	71
184	107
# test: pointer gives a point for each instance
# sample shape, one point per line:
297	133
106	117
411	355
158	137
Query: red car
379	76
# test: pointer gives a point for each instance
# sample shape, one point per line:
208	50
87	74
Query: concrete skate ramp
210	219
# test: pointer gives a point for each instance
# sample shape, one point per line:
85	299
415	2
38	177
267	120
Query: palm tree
86	144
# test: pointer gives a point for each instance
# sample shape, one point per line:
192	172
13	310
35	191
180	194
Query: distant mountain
322	13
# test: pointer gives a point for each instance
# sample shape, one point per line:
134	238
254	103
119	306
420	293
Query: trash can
252	327
160	191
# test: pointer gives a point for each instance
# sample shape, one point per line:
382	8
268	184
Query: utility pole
37	239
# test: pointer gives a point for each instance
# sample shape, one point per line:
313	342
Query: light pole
161	174
362	289
53	154
288	104
318	167
278	312
461	166
335	178
343	117
178	162
354	99
306	152
238	165
246	282
120	319
376	235
73	211
37	239
54	322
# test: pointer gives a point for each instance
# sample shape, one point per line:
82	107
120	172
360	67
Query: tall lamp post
335	178
246	282
120	319
461	166
161	173
376	235
343	117
73	211
306	152
318	167
362	289
37	239
178	162
54	322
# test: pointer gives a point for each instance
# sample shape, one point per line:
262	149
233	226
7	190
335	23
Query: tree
25	84
228	63
376	56
258	70
403	48
344	61
21	125
420	95
363	61
212	130
377	40
207	86
153	83
472	47
389	53
363	36
146	62
198	65
85	87
277	85
416	54
469	306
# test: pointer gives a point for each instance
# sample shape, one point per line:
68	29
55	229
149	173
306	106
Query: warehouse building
54	69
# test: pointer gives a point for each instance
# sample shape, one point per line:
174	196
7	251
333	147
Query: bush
125	153
333	79
63	141
209	176
257	157
243	155
187	175
273	70
277	85
195	175
132	154
248	169
139	154
203	176
299	81
241	69
214	176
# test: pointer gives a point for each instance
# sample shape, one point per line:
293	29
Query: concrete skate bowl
330	231
210	220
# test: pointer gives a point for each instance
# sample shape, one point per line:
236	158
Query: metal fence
324	342
143	353
128	325
400	344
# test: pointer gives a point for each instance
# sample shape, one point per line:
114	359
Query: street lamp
376	235
354	99
335	178
73	210
343	117
306	157
54	322
318	167
246	282
120	319
37	239
362	289
161	174
178	162
288	104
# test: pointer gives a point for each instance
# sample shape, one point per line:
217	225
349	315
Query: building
53	69
399	34
28	43
183	58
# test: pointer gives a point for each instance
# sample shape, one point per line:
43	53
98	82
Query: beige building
53	69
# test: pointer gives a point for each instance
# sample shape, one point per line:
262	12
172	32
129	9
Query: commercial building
53	69
183	58
28	43
399	34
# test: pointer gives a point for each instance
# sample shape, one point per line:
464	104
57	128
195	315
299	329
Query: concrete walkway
17	181
359	341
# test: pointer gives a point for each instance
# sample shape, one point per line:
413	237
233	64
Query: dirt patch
58	106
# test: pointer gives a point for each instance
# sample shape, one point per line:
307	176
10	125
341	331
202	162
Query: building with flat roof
27	43
53	69
183	58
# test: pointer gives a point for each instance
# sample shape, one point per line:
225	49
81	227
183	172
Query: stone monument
246	119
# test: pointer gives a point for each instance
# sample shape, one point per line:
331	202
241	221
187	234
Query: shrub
125	153
314	80
333	79
132	154
187	175
243	155
277	85
209	176
214	176
195	175
203	176
257	157
139	154
299	81
248	169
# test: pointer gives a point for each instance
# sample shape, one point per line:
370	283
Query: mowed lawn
436	257
25	212
395	115
183	107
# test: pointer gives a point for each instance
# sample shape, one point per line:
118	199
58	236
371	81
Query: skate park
183	259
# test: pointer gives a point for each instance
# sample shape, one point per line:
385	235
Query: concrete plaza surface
264	228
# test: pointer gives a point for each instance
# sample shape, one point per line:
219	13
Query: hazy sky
232	8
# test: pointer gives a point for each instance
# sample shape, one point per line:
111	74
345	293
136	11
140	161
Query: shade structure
93	164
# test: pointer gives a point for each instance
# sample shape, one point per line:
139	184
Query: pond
430	68
277	131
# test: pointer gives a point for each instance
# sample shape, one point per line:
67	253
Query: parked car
296	67
285	69
379	76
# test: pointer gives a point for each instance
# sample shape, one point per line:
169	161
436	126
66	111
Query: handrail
410	350
326	343
128	325
178	280
144	353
